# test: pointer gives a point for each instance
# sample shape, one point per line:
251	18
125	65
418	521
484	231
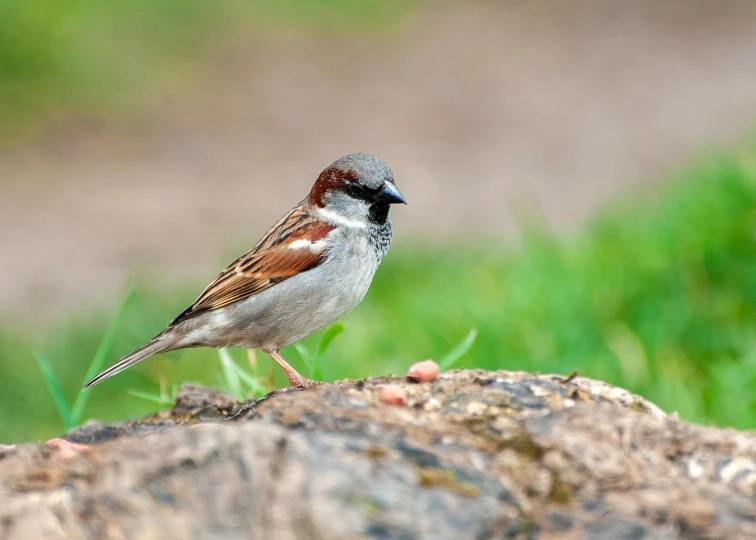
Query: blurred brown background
485	110
581	178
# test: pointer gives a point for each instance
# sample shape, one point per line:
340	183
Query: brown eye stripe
329	179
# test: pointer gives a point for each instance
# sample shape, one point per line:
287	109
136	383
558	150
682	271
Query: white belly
291	310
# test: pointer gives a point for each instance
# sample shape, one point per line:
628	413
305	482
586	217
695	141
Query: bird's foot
296	380
299	382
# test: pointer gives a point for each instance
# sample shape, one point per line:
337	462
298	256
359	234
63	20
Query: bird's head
356	190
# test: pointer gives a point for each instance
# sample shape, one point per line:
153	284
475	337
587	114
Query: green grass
311	359
656	293
92	58
72	416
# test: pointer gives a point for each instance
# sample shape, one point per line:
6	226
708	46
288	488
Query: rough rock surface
474	454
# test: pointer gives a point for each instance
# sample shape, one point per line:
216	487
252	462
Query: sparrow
311	268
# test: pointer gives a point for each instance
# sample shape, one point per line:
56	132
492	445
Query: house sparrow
307	271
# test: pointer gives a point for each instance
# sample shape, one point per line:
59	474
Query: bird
313	266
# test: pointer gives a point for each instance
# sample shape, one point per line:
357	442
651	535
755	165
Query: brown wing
295	244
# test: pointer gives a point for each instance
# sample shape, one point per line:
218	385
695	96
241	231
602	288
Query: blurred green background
607	226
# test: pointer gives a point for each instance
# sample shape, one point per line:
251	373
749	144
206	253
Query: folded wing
295	244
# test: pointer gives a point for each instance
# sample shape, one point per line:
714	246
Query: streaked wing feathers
295	244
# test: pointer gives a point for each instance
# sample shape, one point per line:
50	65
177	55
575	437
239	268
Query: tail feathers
159	343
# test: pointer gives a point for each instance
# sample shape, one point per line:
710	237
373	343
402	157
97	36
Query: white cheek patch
314	247
340	219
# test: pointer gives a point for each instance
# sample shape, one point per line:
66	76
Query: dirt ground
483	109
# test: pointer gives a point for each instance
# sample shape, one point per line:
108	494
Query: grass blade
107	342
249	380
311	360
304	353
458	351
99	358
330	334
53	385
153	398
307	359
316	374
230	374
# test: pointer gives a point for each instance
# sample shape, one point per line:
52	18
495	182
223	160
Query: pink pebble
65	450
393	395
426	371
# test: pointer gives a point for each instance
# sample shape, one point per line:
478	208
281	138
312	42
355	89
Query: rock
199	400
474	454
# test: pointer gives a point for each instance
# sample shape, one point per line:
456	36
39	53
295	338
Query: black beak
389	194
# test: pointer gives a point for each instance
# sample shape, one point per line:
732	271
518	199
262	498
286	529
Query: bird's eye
356	190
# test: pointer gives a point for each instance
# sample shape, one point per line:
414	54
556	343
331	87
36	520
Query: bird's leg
295	379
